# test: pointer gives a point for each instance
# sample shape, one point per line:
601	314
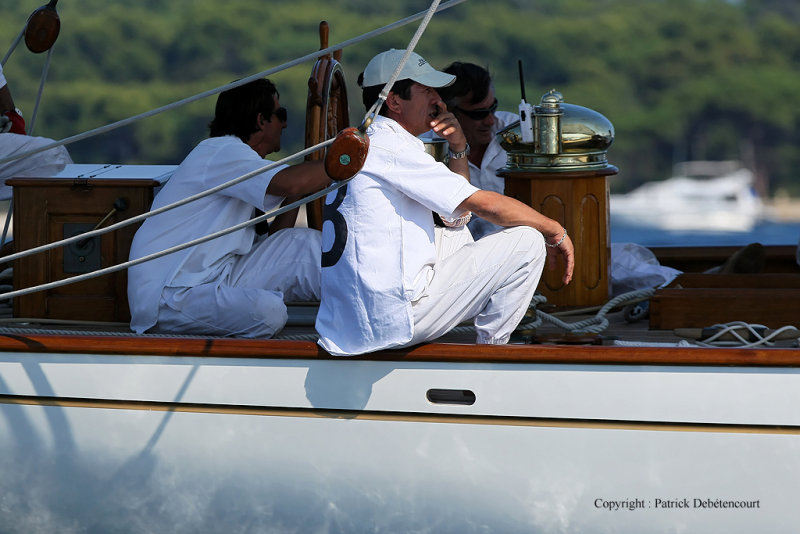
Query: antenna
525	111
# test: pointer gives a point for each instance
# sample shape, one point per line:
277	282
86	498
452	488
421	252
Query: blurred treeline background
679	79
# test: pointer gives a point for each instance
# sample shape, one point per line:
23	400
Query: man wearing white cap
383	285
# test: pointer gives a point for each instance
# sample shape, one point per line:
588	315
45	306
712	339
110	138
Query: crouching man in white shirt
383	285
235	285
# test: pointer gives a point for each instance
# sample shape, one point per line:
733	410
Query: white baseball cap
381	67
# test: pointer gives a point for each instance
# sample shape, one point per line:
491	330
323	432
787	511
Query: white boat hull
105	443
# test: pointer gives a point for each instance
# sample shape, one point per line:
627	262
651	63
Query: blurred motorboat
701	195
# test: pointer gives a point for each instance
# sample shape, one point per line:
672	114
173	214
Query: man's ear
392	102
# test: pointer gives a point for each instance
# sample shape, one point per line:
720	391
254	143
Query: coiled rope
745	335
593	325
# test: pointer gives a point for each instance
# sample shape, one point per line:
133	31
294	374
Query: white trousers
491	280
250	300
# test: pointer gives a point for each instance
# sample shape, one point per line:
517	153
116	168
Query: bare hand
446	125
567	250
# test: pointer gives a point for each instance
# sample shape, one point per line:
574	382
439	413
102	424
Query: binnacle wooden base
579	201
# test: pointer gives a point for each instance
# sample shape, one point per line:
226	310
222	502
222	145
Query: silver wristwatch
458	155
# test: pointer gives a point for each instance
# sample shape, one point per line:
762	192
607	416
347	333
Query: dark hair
237	109
469	78
369	95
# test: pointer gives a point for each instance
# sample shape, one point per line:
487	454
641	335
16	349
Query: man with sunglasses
236	284
385	283
472	100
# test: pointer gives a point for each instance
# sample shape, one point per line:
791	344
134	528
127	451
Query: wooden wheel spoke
327	111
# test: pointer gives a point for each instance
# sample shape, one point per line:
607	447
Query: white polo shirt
212	162
378	246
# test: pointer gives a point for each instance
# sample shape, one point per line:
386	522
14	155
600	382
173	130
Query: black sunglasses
281	114
478	114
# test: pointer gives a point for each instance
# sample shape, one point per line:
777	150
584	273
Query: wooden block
702	300
48	210
777	258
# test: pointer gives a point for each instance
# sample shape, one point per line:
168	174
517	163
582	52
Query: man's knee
528	240
303	244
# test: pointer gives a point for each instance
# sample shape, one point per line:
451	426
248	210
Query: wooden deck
643	342
548	345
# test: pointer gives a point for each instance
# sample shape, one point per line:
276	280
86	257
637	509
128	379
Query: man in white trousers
237	284
383	285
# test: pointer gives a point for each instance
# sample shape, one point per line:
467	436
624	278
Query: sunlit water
765	232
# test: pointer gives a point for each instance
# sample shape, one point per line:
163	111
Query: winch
557	163
565	137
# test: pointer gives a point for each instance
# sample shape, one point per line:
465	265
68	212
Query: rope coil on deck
745	335
593	325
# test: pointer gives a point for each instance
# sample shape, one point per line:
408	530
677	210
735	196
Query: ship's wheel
327	112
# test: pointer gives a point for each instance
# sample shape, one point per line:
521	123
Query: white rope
736	329
593	325
384	94
428	15
143	216
32	122
14	45
156	111
45	69
155	255
623	343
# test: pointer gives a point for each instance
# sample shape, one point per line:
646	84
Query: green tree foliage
679	79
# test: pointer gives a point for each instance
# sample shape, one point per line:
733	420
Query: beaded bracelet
458	222
556	245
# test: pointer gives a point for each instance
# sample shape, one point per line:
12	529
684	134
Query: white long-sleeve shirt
378	246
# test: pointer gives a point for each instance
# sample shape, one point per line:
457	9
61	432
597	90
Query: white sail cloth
39	165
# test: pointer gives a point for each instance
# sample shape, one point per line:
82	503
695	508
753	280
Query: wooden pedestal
51	209
579	201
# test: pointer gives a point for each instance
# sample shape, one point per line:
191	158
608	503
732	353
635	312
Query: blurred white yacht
701	195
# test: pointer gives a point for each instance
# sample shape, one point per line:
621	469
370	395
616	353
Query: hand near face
447	126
